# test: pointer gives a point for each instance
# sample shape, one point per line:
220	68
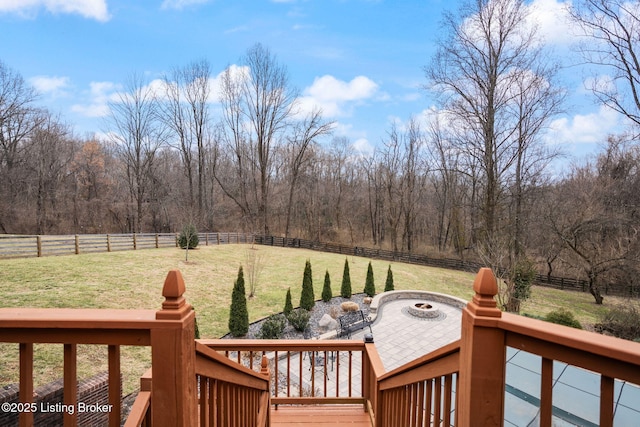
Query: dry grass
133	279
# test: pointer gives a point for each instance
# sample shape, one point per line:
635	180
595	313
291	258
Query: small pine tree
188	237
326	288
239	316
345	289
307	299
388	285
288	306
369	286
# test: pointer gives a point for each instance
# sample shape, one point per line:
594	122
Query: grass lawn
134	279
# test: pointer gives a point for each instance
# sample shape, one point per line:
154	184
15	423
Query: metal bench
353	321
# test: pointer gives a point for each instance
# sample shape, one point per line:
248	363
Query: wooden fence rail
563	283
24	246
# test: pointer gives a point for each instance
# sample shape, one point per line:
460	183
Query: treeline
472	180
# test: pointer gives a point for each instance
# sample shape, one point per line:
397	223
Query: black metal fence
564	283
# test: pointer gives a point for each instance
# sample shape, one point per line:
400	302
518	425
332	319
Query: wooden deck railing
308	371
420	393
462	384
223	384
169	332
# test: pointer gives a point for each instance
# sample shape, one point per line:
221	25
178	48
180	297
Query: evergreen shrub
299	319
188	234
307	299
273	327
369	286
345	289
238	314
326	288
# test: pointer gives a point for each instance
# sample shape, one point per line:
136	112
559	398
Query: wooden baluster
203	386
115	386
437	401
606	401
482	357
174	393
448	389
300	373
337	374
420	408
70	378
26	382
428	408
546	392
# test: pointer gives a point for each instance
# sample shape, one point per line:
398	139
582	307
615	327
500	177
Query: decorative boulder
349	306
327	323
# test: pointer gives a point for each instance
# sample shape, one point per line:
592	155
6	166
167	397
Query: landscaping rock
327	323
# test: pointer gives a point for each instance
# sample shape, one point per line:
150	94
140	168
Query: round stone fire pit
424	310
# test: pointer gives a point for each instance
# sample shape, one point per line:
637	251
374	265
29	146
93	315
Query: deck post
482	357
173	387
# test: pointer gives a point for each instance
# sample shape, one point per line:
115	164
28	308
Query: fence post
482	357
77	244
157	243
108	243
134	242
39	245
173	388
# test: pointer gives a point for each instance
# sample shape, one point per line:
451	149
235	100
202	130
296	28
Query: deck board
319	416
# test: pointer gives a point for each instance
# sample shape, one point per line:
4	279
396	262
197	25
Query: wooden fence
23	246
563	283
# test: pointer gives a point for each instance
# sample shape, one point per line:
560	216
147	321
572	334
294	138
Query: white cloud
585	128
50	85
552	20
181	4
363	147
337	97
93	9
100	94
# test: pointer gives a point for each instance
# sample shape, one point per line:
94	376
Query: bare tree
601	238
185	111
18	119
258	103
136	132
485	50
611	43
304	134
50	153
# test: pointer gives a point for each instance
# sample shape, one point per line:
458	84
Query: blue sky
360	60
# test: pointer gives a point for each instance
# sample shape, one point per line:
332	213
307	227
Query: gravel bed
319	309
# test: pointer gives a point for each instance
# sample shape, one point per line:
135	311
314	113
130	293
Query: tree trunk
595	291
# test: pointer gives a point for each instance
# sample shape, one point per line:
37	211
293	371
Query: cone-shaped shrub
288	306
326	288
369	286
388	285
345	289
239	316
307	299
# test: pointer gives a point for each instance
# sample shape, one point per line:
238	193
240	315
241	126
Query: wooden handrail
411	393
566	344
231	394
443	361
212	364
